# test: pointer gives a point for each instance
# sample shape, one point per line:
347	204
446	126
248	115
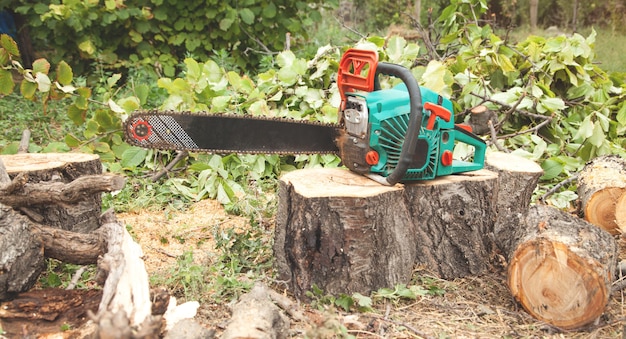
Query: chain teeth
132	138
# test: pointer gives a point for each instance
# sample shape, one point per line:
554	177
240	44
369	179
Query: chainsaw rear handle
409	147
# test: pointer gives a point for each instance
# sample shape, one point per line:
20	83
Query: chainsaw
401	134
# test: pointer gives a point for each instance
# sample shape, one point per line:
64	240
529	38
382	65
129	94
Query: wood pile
50	207
344	234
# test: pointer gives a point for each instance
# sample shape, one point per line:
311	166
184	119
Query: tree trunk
562	267
81	216
345	233
534	7
601	183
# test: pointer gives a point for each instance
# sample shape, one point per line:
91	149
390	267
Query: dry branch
57	192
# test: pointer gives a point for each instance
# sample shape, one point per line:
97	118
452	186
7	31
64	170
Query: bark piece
46	311
60	167
600	184
256	316
21	254
345	233
562	268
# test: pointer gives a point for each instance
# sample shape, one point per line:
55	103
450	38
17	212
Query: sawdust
472	307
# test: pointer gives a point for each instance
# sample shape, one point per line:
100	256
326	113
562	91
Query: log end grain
557	286
27	162
332	182
600	209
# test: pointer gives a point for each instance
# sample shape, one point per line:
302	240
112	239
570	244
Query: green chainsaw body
377	125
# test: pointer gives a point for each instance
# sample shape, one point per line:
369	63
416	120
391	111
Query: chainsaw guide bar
229	133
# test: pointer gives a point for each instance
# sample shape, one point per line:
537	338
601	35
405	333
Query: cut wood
562	267
480	118
345	233
601	183
21	254
81	216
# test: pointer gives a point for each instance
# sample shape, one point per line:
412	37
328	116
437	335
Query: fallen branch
180	155
58	192
558	187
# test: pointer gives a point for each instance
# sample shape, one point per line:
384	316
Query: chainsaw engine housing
376	125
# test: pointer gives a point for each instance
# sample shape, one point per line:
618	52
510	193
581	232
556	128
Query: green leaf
76	114
247	16
9	45
72	141
585	130
64	73
133	157
269	11
87	46
551	169
597	137
6	82
56	147
621	115
41	66
226	23
364	303
28	89
344	301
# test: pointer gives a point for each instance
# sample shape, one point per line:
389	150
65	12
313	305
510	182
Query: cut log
345	233
601	183
21	254
81	216
562	267
517	180
480	119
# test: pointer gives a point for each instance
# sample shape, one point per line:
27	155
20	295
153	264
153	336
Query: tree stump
562	267
517	180
601	183
80	216
453	217
345	233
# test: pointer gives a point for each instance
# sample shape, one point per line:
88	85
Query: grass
46	125
610	50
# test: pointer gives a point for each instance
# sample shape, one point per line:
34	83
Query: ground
471	307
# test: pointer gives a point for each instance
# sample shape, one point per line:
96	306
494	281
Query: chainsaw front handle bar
409	147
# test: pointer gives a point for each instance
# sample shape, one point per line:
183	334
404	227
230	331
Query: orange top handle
357	71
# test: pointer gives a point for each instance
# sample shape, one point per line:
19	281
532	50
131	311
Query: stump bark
345	233
601	183
81	216
517	180
562	267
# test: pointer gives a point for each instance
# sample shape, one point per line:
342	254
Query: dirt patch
472	307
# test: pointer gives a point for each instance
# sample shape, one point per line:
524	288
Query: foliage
186	278
162	32
244	256
59	275
362	303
